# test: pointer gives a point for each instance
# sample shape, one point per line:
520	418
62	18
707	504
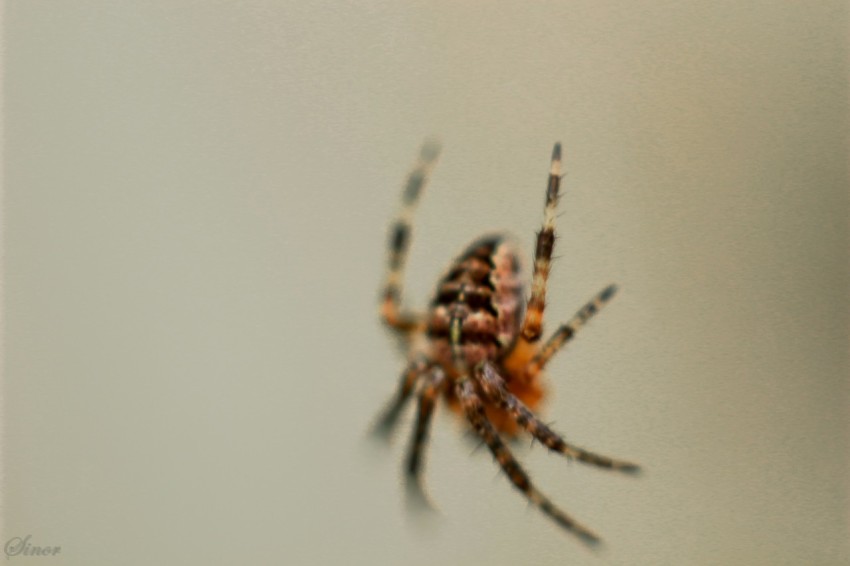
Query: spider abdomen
481	290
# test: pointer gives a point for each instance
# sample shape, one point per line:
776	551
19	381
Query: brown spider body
483	290
479	344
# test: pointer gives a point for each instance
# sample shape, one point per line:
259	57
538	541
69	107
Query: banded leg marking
532	326
474	410
399	243
415	461
407	385
427	401
567	331
495	389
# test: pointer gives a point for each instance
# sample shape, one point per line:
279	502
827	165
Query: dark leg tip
590	539
380	434
383	428
631	469
608	292
416	500
556	152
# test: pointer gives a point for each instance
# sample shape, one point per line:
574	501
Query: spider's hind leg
474	410
399	242
495	389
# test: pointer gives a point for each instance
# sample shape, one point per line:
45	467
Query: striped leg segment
532	326
567	331
409	380
495	389
400	241
474	410
427	401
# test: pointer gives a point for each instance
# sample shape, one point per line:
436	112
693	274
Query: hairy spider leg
399	242
410	378
427	401
474	410
532	326
496	390
567	331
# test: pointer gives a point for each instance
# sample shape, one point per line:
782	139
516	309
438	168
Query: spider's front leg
532	326
400	241
567	332
496	391
474	410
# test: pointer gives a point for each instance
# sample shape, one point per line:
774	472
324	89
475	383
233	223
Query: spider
479	345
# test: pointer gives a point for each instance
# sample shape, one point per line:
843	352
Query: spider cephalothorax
482	350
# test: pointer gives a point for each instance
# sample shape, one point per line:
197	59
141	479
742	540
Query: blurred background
196	204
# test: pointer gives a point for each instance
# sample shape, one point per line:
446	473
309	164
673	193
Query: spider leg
427	401
399	242
532	326
567	331
410	378
474	410
495	390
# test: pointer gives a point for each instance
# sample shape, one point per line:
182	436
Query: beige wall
196	203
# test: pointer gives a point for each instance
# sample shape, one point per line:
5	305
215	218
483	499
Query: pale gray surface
196	203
